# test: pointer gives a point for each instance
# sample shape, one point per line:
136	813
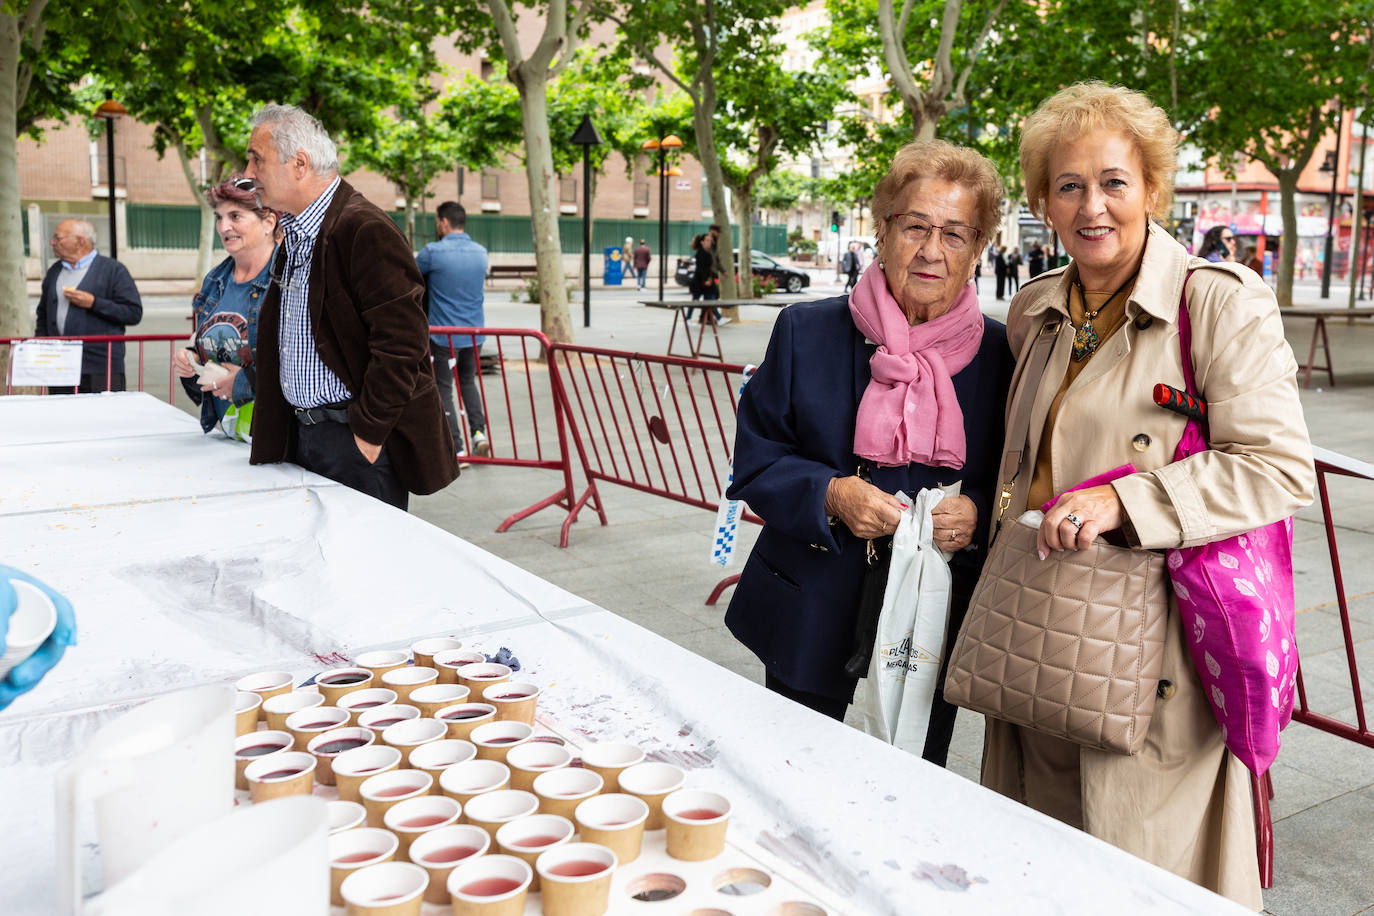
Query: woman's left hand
1077	518
224	388
954	519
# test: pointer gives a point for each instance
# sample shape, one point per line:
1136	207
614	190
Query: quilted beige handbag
1072	645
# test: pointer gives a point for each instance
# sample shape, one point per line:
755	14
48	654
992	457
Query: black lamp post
1333	165
111	111
661	146
586	137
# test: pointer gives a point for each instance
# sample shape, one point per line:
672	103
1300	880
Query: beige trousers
1182	803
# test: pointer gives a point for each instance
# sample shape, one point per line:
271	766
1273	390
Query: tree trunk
548	247
15	317
1288	188
703	116
410	219
744	204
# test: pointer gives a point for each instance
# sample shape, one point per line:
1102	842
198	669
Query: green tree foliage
766	113
700	34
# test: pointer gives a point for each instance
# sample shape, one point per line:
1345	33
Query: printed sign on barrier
47	363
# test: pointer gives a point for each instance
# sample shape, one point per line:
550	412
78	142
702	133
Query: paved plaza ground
650	564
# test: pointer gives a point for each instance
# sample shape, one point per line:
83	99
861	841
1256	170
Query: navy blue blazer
116	305
797	600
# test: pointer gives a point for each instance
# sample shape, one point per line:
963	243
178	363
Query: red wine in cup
450	854
353	858
366	705
342	680
577	868
504	739
699	814
316	726
518	695
425	820
393	791
258	750
534	842
383	723
282	774
489	887
464	714
339	746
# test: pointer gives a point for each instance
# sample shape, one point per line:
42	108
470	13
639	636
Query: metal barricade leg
721	586
1264	828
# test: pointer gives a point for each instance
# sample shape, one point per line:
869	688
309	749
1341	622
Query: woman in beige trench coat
1098	162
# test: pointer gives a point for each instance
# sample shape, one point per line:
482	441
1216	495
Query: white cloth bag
896	696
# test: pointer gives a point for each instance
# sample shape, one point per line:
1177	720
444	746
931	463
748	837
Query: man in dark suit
345	386
88	295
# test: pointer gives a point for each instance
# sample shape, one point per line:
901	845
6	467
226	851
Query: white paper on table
45	362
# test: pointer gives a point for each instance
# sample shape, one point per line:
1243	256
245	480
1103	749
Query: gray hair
294	130
85	230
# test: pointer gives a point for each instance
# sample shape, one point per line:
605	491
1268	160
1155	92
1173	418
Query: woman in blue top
218	372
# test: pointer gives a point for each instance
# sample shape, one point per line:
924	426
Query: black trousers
467	378
1001	285
328	449
93	383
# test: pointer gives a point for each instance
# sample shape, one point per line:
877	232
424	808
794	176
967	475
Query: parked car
789	279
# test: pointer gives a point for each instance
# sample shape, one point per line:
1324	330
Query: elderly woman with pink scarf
898	387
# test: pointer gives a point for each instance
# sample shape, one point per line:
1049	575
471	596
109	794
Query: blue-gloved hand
23	676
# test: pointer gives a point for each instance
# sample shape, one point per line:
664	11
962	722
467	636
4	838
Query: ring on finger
1074	520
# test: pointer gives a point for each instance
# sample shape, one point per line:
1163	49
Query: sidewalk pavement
650	565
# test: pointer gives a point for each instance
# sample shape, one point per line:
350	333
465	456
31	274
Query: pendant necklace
1085	337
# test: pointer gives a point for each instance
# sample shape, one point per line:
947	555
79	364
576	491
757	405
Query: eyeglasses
917	230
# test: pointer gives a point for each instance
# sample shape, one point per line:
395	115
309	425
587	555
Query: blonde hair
1084	108
939	159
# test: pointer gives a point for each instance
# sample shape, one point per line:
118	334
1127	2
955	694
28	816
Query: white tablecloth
187	566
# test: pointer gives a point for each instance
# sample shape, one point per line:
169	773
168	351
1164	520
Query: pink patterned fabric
1236	599
909	412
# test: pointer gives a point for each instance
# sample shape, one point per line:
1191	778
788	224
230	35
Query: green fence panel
171	226
504	234
163	226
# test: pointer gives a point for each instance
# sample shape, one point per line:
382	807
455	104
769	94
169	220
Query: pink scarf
909	412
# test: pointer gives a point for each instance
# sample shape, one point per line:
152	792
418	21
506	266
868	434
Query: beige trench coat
1183	802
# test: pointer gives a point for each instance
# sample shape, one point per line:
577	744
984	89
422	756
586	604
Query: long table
187	566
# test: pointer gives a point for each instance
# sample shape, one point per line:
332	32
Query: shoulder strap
1018	418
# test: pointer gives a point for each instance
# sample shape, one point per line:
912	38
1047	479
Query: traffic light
834	220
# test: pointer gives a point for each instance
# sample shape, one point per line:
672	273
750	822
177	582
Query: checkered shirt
305	380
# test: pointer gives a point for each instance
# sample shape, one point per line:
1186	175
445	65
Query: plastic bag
900	687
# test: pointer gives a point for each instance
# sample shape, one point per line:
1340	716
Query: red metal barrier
525	421
663	425
138	340
1262	789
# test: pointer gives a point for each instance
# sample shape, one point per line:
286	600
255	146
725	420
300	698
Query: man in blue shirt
455	270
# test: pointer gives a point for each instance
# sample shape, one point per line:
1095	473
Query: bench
1319	338
511	271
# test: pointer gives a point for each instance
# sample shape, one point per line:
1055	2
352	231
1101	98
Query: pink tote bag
1236	600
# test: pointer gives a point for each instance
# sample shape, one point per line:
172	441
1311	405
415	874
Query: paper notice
46	362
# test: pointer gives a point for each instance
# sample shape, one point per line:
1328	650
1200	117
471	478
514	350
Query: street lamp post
586	137
111	111
661	146
1333	161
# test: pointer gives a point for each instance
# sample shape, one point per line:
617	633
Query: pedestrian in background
455	271
345	385
705	283
86	294
1253	260
642	257
1219	244
999	269
849	264
1035	260
1014	270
